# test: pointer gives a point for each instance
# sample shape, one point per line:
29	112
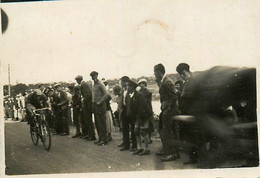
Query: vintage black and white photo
129	86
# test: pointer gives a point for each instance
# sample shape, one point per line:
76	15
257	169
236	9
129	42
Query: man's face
78	81
130	87
42	87
158	75
116	92
185	75
123	83
58	88
94	77
177	86
142	85
50	94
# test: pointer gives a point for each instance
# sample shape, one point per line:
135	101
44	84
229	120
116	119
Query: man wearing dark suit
148	98
169	108
64	106
123	116
186	101
56	113
139	114
86	113
76	105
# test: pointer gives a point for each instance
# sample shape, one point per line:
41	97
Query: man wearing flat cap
168	128
35	100
99	96
86	114
63	104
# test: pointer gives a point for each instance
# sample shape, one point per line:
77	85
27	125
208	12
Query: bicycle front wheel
34	134
46	135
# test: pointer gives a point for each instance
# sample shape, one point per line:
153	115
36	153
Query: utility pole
9	84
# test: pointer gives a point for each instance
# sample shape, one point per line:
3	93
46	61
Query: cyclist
35	100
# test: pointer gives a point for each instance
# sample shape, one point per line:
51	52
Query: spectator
168	128
99	96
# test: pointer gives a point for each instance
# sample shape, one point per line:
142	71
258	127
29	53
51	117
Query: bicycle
40	129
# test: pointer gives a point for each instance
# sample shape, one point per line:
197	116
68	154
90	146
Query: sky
55	41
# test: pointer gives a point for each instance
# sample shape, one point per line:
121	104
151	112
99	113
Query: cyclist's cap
142	80
93	73
78	77
38	92
56	85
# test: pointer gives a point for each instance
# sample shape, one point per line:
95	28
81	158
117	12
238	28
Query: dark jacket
137	107
148	97
36	101
76	100
86	92
168	95
64	100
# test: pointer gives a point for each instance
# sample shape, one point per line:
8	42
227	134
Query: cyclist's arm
30	107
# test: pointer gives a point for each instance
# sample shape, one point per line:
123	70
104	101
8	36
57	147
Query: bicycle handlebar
42	109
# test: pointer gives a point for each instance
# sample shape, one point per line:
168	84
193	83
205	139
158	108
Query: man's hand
98	103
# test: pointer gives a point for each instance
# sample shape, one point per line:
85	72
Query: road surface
75	155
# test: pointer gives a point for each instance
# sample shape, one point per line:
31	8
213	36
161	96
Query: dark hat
93	73
40	85
79	77
125	78
133	83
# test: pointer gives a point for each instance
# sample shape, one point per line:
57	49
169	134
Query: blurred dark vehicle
222	122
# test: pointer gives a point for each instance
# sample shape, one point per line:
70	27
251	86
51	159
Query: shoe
91	139
82	136
133	149
109	139
64	134
75	136
97	142
102	143
171	157
85	137
145	152
160	153
121	145
124	148
138	151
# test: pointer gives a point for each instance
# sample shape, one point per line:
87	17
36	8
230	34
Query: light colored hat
142	80
56	85
38	92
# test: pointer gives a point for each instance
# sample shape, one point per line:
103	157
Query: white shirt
163	77
131	94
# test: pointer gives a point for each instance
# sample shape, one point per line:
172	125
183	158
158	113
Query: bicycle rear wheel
46	135
34	134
